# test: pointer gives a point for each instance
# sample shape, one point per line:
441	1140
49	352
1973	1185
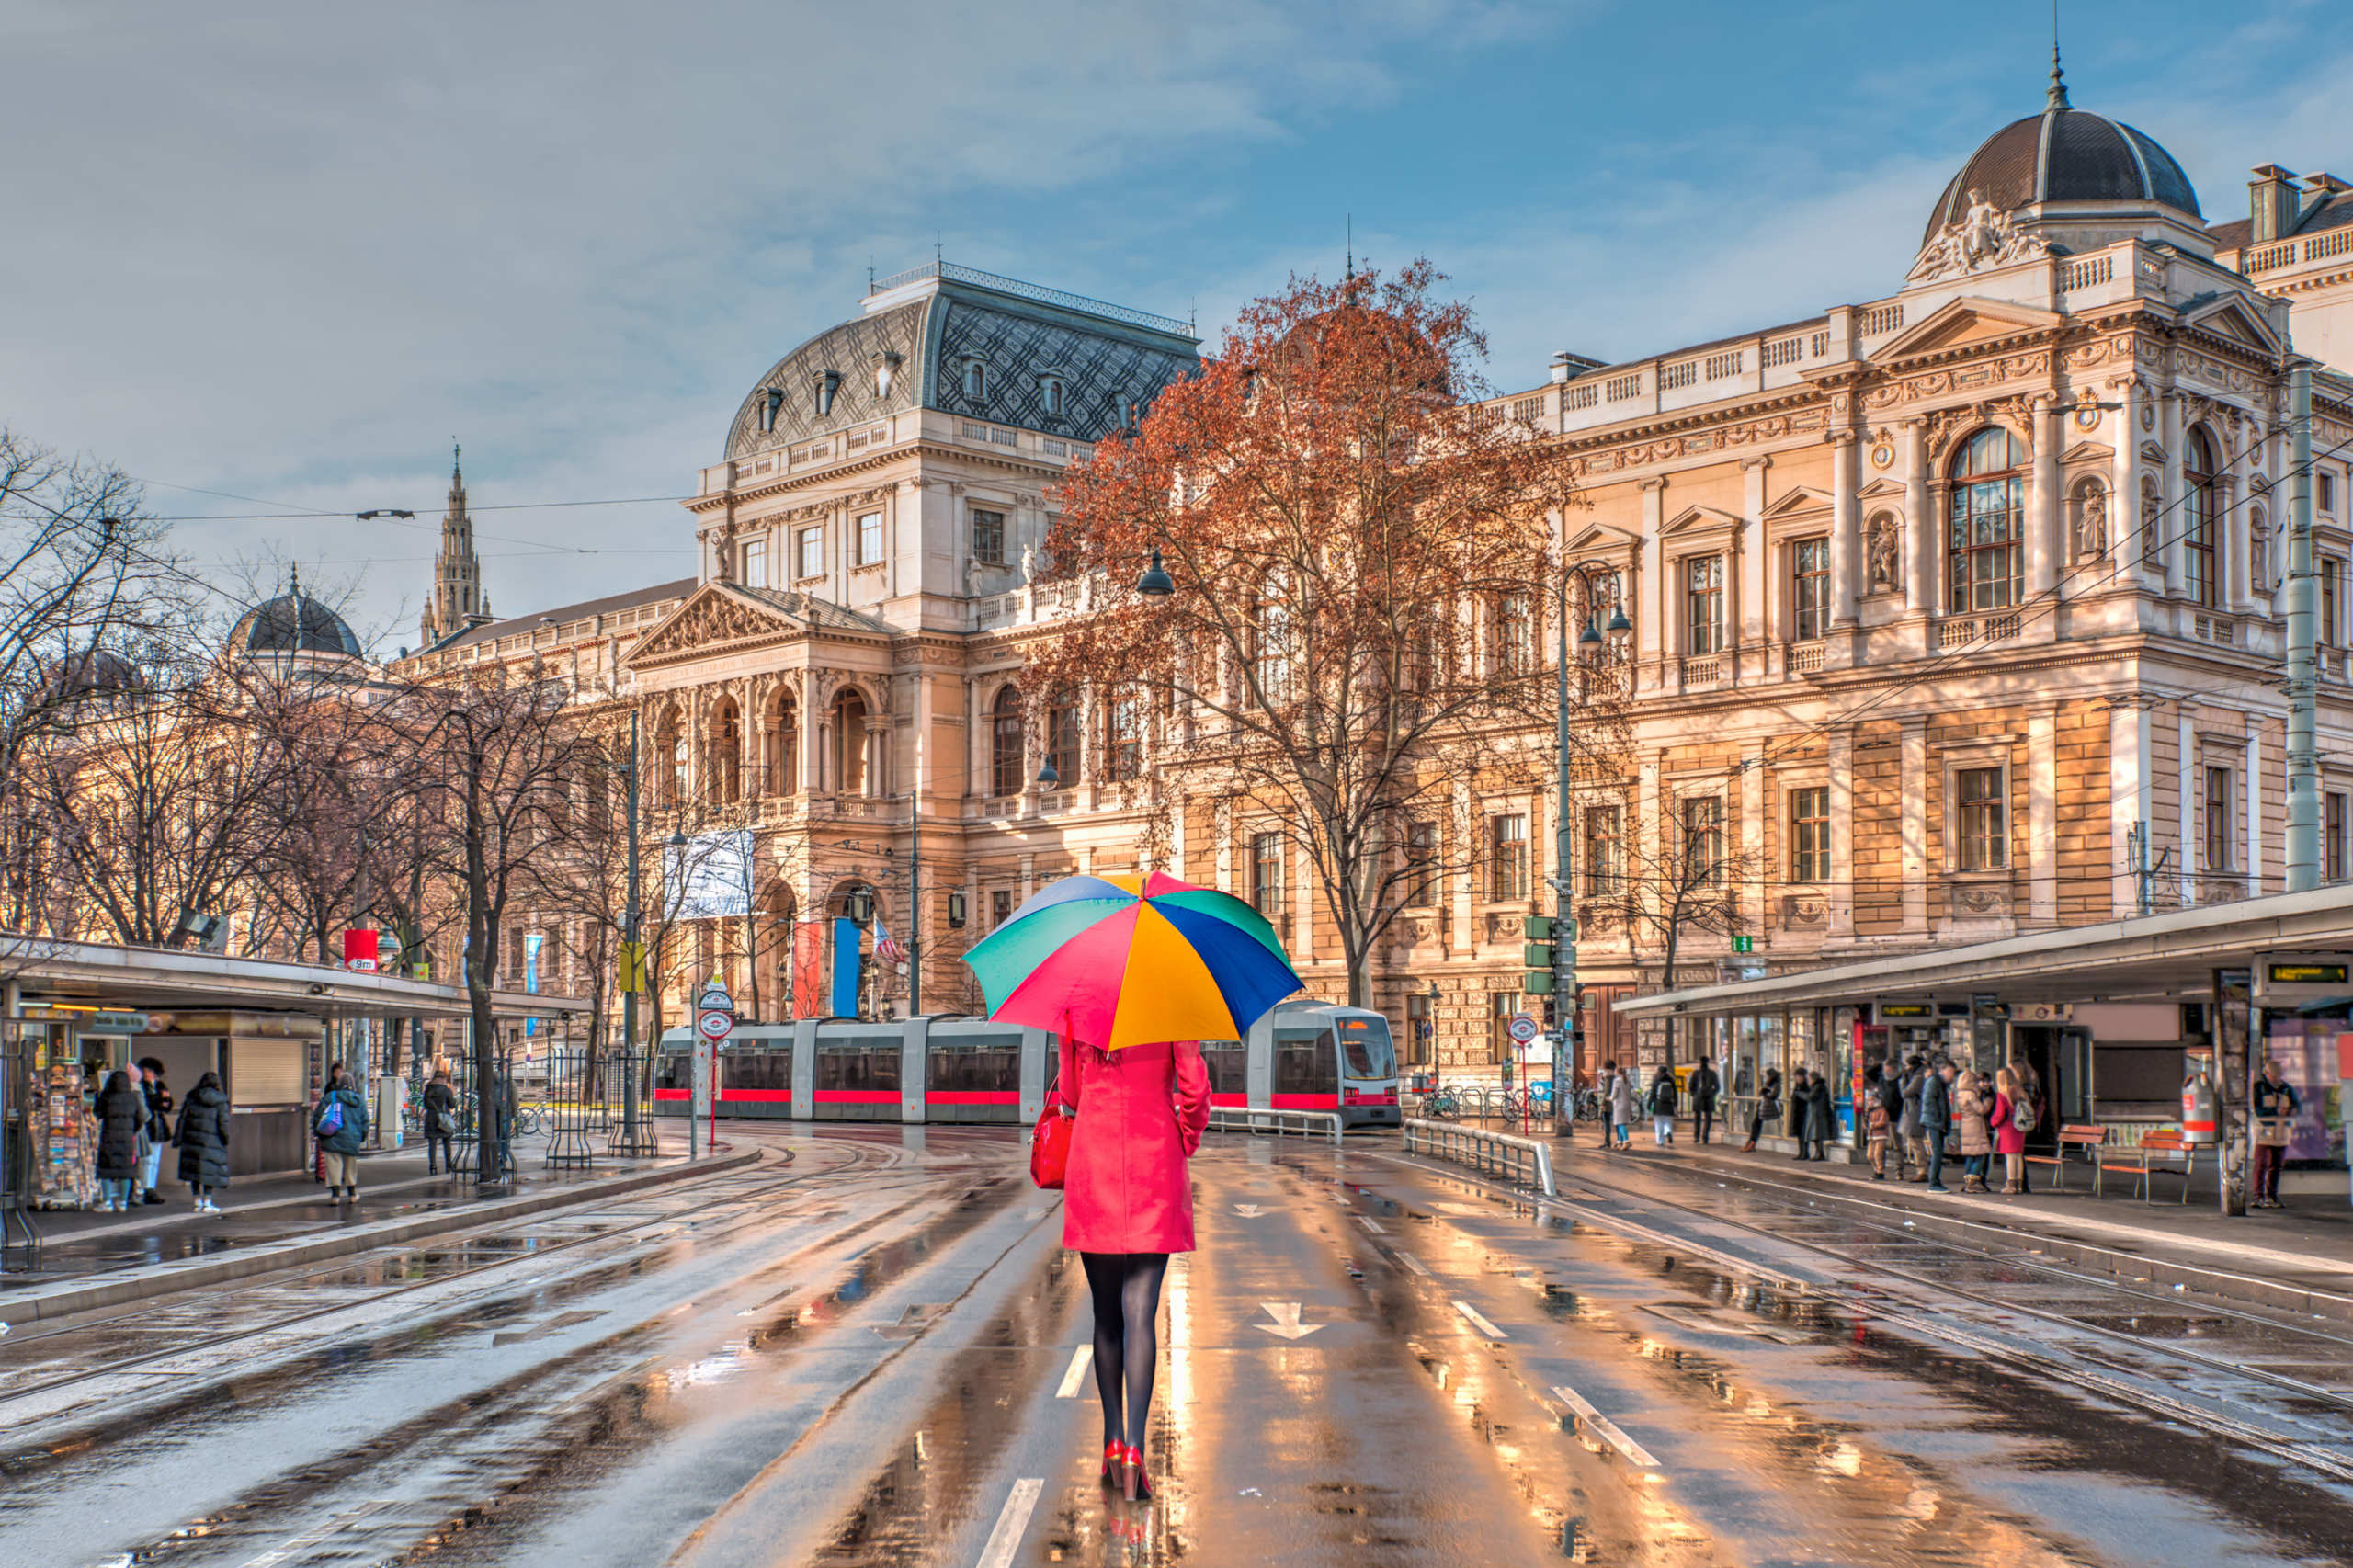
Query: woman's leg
1105	1271
1140	1301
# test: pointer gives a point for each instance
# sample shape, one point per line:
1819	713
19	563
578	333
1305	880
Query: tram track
864	1158
2115	1389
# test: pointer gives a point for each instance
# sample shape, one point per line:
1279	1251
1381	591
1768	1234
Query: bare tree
1662	879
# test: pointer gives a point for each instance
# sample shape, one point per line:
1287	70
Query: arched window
2199	512
725	769
783	744
976	381
1007	744
1986	555
669	763
849	744
1050	395
1061	737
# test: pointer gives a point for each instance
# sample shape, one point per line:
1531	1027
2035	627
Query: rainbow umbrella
1131	959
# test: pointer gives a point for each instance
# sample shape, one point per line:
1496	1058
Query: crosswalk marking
1481	1323
1005	1539
1075	1376
1410	1261
1604	1428
1371	1224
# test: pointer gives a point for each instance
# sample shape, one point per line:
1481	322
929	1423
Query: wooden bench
2088	1138
2152	1157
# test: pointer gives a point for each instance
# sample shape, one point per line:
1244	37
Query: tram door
1259	1075
804	1070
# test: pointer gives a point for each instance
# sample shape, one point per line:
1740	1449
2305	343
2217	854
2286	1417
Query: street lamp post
634	1141
1564	931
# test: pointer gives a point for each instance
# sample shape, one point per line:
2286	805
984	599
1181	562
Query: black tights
1126	1288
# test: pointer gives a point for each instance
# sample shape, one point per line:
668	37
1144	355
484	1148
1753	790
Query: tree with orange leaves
1351	649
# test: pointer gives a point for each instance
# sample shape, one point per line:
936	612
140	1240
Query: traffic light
1537	954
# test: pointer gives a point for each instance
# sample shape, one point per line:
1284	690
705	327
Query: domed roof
98	672
293	622
2064	153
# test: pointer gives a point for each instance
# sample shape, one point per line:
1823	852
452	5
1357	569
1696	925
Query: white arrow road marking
1410	1261
1248	1211
1481	1325
1287	1324
1074	1377
1604	1428
1005	1539
1371	1224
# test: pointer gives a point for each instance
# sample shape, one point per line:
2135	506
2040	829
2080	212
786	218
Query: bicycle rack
1523	1161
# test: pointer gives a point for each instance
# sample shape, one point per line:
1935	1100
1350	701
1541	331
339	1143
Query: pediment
1699	520
1801	501
1964	322
2087	452
1597	537
2229	318
2151	452
1879	487
716	616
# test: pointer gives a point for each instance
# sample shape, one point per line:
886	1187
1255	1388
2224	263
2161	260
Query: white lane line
1075	1375
1410	1261
1005	1539
1370	1223
1481	1325
1604	1428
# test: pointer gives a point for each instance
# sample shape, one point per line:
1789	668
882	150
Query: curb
167	1278
2132	1266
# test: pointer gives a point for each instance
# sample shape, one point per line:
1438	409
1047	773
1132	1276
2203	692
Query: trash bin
384	1116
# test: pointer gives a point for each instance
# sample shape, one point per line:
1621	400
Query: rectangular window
988	537
2332	842
755	563
1514	637
1810	589
1123	735
1421	863
2332	575
1985	839
869	539
811	545
2220	839
2327	484
1703	604
1266	874
2197	548
1506	858
1605	850
1000	907
1810	835
1703	841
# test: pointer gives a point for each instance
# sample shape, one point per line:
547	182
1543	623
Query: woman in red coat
2009	1139
1126	1204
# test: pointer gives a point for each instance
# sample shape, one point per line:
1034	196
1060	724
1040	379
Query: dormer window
825	386
976	381
770	400
1050	395
885	367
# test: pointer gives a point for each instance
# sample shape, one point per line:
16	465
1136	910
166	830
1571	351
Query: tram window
674	1070
760	1067
859	1066
990	1065
1227	1062
1365	1041
1309	1066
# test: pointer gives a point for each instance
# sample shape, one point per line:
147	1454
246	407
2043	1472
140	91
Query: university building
1955	612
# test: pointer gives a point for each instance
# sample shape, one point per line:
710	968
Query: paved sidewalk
2300	1256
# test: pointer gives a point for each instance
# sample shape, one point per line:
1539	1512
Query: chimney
2319	190
2272	202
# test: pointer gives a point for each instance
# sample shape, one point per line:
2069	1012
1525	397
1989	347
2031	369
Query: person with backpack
1705	1085
340	1125
1878	1121
440	1121
2012	1116
1663	1103
203	1140
1935	1121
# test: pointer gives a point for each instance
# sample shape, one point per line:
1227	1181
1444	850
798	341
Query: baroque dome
293	622
2064	153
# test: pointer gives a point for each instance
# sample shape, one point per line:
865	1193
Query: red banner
809	969
359	948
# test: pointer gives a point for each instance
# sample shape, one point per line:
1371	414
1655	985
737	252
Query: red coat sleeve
1192	1095
1067	1076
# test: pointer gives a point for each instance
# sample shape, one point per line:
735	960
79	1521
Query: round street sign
715	1026
1522	1027
714	999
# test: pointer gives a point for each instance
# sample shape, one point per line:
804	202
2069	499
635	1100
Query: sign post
714	1021
1523	1030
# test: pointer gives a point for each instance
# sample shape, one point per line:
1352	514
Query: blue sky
290	252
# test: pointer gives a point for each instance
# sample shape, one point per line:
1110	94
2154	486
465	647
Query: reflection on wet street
878	1356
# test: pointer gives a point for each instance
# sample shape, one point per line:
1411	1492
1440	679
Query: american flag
886	946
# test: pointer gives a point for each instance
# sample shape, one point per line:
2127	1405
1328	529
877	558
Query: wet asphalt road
875	1356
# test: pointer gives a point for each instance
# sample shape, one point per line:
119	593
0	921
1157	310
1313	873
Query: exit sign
1744	944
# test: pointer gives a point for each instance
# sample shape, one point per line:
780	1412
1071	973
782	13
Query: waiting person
440	1121
1973	1112
2013	1114
1936	1121
159	1123
203	1140
1768	1106
1877	1121
340	1125
1126	1204
1821	1115
121	1113
1705	1086
2275	1104
1916	1145
1622	1106
1663	1099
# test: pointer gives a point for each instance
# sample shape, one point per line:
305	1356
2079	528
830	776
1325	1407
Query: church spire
457	600
2057	96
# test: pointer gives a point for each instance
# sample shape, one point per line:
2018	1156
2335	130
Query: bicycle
1443	1104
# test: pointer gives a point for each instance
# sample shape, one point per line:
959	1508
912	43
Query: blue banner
531	941
846	958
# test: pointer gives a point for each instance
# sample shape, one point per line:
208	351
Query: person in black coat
441	1122
1662	1103
203	1139
121	1111
1811	1105
1705	1085
159	1124
1768	1106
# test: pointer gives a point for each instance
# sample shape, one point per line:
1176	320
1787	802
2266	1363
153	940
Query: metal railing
1306	1124
1521	1160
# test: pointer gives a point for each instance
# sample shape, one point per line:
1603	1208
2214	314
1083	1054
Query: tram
947	1068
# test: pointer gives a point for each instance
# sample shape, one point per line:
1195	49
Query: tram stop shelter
2113	1017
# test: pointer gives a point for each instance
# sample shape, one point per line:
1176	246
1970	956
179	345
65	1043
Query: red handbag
1050	1149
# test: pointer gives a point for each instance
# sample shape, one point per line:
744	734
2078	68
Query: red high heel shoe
1112	1454
1132	1480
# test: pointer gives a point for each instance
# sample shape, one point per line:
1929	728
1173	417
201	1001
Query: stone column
1842	828
1843	530
1913	825
2252	798
2042	815
1753	791
2042	546
2169	516
878	756
811	739
2185	803
1759	624
2128	782
1920	548
2124	485
1652	618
